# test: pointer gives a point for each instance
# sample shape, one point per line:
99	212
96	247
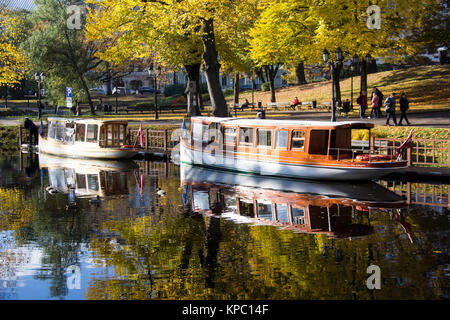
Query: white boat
299	149
87	138
87	177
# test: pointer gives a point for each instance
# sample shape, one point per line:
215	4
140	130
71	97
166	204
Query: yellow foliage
14	211
12	60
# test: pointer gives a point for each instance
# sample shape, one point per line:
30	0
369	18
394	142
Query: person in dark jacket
404	106
390	109
362	101
33	129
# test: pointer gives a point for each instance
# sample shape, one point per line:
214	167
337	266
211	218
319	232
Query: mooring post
165	140
20	136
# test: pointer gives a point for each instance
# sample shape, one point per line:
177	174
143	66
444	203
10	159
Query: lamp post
39	77
155	73
332	64
355	60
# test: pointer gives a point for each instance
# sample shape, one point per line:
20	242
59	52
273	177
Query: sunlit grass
426	87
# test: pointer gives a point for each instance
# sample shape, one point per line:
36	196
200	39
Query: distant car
245	87
97	91
119	90
142	90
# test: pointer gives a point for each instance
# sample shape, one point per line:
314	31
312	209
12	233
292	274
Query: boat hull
338	172
84	150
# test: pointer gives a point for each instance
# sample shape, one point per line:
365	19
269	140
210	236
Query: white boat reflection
87	178
298	205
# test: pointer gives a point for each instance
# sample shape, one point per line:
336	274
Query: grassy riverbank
9	139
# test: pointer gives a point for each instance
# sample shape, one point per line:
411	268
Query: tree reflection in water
233	243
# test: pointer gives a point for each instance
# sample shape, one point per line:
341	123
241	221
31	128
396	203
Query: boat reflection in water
297	205
86	178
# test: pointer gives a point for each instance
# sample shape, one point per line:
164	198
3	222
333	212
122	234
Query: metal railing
421	193
423	152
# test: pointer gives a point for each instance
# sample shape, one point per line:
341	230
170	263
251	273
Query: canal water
153	230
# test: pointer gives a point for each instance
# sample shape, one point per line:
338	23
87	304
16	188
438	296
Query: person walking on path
362	101
390	109
404	106
380	100
375	103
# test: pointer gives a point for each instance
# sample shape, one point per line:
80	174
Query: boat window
282	139
197	132
230	135
122	134
282	213
298	139
92	131
319	142
92	182
116	129
264	137
81	132
265	210
60	130
81	181
246	208
245	136
298	216
109	136
209	133
51	130
69	135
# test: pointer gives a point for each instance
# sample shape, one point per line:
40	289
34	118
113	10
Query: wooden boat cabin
87	138
305	149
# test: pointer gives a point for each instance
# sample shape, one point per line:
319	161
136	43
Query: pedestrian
390	109
404	106
375	100
380	101
362	101
346	107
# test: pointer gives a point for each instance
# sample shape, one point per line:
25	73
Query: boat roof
86	120
283	123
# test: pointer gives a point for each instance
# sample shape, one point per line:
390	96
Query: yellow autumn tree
12	61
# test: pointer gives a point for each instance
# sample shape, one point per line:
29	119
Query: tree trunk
260	75
88	94
212	69
108	80
300	73
271	72
363	87
337	87
236	87
193	73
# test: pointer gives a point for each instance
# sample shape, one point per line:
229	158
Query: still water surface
158	232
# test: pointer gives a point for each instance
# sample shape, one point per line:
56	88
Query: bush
265	86
144	105
205	97
178	100
228	92
174	89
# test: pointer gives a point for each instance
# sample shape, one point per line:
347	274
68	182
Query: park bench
238	106
326	105
309	104
276	105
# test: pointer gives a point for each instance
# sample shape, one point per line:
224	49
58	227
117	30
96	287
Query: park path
439	119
